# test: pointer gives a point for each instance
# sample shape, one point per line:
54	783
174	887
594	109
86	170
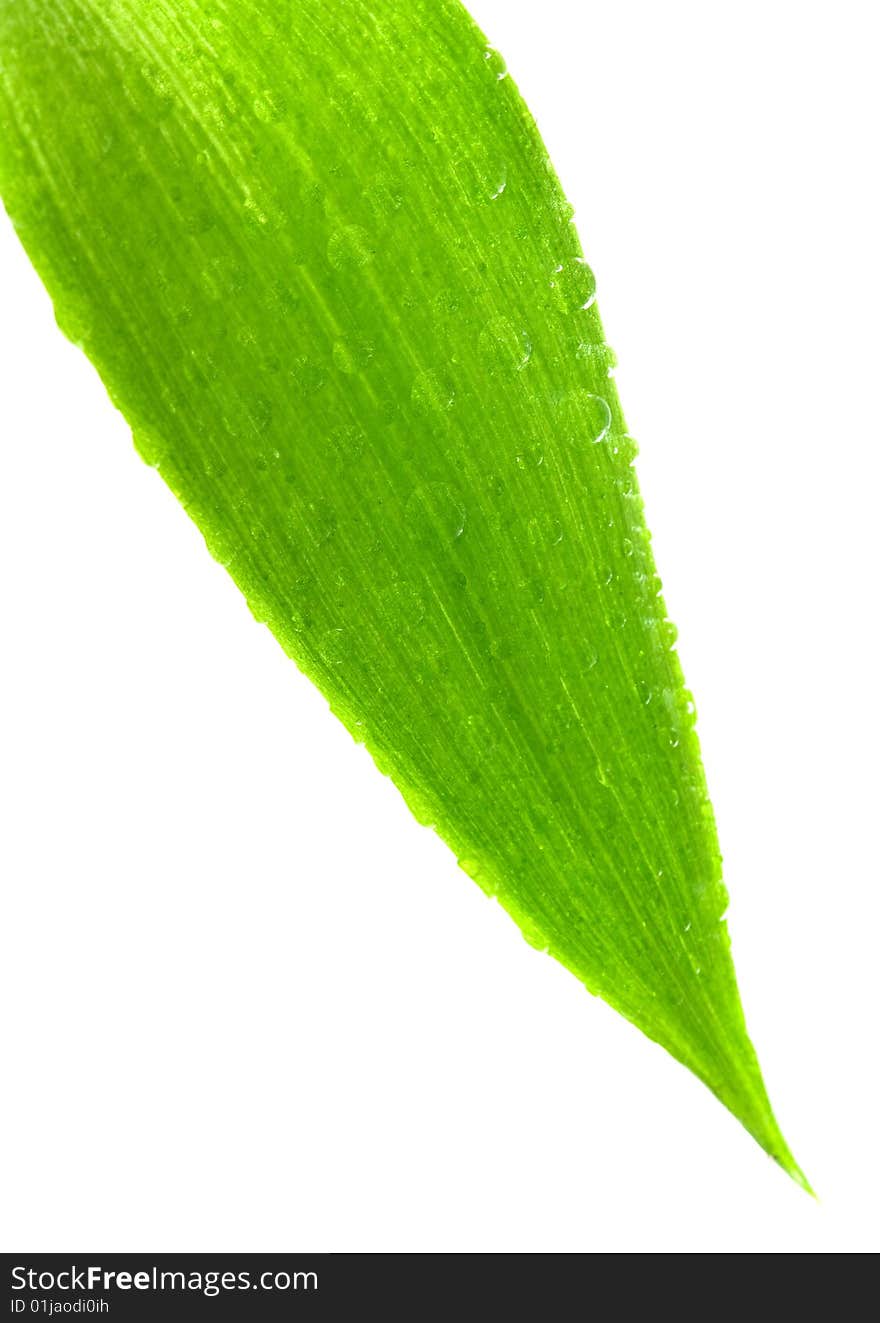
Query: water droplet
573	285
260	413
585	417
495	61
504	347
223	546
256	216
502	648
479	174
321	521
434	512
544	531
599	358
270	107
563	209
350	248
384	198
432	393
534	590
159	84
222	278
272	26
306	376
403	607
532	457
352	356
445	304
669	633
354	110
347	444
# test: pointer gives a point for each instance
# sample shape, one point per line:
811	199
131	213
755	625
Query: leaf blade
320	261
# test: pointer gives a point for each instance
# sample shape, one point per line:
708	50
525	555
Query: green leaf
318	254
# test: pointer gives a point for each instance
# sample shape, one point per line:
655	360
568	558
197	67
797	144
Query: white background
249	1003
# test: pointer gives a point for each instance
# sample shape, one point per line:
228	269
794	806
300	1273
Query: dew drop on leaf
531	457
586	417
306	375
403	607
346	444
350	248
504	348
573	285
432	393
352	356
496	63
270	107
599	358
435	513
